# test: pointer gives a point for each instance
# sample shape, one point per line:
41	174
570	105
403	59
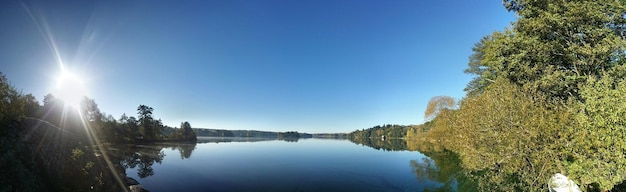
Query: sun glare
70	89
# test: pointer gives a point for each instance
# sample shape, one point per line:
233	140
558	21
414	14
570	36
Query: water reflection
439	170
143	157
380	144
439	165
242	139
443	167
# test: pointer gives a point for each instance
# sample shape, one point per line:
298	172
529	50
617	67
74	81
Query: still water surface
276	165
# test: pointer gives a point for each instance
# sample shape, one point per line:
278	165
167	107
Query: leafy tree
415	131
554	47
565	60
479	66
436	105
510	139
597	139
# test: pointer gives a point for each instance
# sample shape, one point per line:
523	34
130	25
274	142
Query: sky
275	65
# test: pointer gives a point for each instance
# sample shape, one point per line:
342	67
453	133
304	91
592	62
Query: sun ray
93	139
70	89
44	29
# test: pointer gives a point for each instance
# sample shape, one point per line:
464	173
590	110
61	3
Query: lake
215	164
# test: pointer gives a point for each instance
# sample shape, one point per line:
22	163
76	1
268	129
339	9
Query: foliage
415	131
509	138
31	105
479	66
598	135
147	123
548	96
436	105
184	133
55	147
389	131
513	140
19	172
12	104
553	46
213	133
129	127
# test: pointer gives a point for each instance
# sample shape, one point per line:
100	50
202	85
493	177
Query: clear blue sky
279	65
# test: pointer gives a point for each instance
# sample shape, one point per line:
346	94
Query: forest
548	96
378	131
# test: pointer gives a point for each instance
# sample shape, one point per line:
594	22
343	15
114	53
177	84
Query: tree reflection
425	169
385	145
232	139
291	140
144	157
185	150
442	166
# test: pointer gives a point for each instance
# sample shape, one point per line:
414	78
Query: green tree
479	66
131	125
146	122
597	139
565	59
187	132
553	46
511	139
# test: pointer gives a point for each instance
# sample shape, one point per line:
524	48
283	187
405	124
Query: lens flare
70	89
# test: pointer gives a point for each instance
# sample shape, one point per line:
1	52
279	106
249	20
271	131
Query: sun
70	89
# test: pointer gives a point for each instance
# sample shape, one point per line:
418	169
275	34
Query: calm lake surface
278	165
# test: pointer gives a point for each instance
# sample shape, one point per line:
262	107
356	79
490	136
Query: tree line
388	137
378	131
143	128
59	148
203	132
